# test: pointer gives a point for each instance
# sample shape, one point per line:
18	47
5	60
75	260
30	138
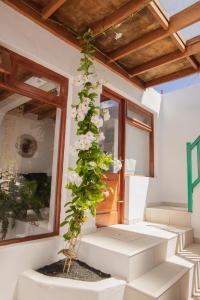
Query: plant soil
78	271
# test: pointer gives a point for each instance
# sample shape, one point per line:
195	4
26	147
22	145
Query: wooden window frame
11	84
145	127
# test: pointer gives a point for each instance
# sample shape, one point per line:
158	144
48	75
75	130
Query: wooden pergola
134	38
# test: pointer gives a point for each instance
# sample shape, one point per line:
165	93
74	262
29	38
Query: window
139	141
32	130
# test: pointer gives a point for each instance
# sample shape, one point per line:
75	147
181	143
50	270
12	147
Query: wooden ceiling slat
67	37
166	59
164	22
177	22
193	62
159	15
119	15
173	76
51	8
138	44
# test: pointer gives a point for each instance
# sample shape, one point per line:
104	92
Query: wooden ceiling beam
164	22
5	65
67	37
159	15
177	22
118	16
186	17
51	8
166	59
193	62
138	44
172	76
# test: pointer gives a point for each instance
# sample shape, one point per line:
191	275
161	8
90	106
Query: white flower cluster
117	165
97	121
81	79
74	178
81	111
85	141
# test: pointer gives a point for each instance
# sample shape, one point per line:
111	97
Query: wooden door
110	211
107	210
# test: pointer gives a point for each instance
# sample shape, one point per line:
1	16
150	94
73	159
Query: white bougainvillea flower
74	178
89	136
80	116
74	112
117	165
102	81
101	136
118	35
79	80
86	100
97	121
106	114
106	194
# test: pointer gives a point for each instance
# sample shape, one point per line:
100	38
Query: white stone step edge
33	285
127	266
170	283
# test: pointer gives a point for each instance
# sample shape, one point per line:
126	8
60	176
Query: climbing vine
85	180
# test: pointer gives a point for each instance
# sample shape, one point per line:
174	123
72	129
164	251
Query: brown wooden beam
159	15
177	22
166	59
138	44
5	65
193	62
118	15
67	37
51	8
172	76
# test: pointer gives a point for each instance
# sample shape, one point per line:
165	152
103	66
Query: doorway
111	210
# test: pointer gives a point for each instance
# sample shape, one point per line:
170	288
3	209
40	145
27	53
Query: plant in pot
85	180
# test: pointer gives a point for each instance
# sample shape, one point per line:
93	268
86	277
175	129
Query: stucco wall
33	42
180	124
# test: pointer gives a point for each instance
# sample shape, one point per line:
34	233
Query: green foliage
91	163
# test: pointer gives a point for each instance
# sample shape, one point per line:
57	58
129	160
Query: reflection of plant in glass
17	196
5	208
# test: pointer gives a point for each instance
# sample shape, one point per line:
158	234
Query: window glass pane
29	132
135	114
137	151
111	129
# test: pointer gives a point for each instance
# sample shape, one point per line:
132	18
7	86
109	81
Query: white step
169	215
176	237
192	254
122	253
167	281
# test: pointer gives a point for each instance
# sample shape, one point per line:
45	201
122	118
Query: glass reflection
28	158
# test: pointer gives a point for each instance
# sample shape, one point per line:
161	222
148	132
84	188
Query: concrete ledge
33	285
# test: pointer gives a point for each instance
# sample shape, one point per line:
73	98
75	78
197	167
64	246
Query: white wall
12	127
33	42
180	124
